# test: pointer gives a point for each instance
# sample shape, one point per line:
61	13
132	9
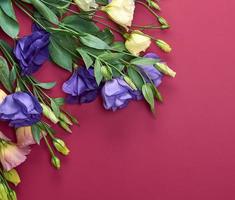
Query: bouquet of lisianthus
66	32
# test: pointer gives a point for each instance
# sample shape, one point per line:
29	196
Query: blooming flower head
121	11
137	42
21	109
149	72
86	5
24	136
116	94
81	86
32	51
10	154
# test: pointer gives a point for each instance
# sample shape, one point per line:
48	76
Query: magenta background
186	153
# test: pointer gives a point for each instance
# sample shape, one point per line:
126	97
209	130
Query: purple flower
21	109
82	86
150	72
116	94
32	51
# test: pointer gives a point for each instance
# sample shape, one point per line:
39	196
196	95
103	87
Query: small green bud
12	195
55	162
106	73
60	146
162	21
3	192
154	5
48	113
162	67
163	27
130	82
12	176
64	117
65	126
163	46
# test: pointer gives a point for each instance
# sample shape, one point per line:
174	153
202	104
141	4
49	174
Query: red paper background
186	153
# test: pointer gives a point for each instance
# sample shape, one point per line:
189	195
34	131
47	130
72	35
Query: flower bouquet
67	33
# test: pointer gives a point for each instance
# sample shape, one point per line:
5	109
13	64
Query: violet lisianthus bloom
20	109
150	72
116	94
82	86
32	51
11	155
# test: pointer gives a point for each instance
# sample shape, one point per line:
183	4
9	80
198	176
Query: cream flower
24	136
137	42
2	95
86	5
10	154
121	11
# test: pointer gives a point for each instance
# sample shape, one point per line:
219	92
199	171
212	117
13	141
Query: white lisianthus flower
137	42
121	11
86	5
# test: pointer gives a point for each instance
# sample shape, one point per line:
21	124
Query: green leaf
8	24
4	74
80	24
97	71
60	56
106	35
7	7
86	58
93	41
59	101
12	76
55	108
36	133
144	61
45	11
46	86
156	93
148	95
108	56
136	77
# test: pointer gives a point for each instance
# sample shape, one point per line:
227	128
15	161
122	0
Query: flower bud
2	95
121	11
106	73
55	162
60	146
12	176
137	42
153	4
130	82
163	46
64	117
162	67
162	21
65	126
48	113
3	191
86	5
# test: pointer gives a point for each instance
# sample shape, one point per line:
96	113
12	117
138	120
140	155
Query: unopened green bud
165	27
162	67
65	118
154	5
130	82
106	73
162	21
55	162
12	195
163	46
48	113
3	192
60	146
12	176
65	126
